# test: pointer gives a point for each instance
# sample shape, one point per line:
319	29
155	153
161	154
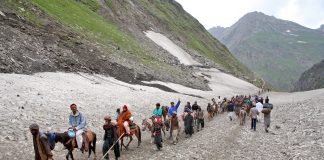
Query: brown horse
165	110
70	143
242	116
134	131
238	102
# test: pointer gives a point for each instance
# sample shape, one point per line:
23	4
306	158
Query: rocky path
215	140
296	132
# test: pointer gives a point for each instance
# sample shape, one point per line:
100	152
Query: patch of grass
92	26
92	4
24	11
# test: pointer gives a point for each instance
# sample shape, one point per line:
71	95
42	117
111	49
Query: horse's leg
163	129
138	139
71	154
130	140
67	155
121	143
90	147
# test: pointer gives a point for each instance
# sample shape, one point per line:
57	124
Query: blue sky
309	13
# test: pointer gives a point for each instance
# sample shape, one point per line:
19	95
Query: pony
148	124
70	143
242	116
165	110
135	130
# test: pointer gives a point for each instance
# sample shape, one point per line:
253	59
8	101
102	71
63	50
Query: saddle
132	126
85	143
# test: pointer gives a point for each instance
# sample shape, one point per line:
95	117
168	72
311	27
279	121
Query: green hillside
108	25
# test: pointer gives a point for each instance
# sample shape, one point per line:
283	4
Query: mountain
311	79
321	28
217	31
108	37
277	50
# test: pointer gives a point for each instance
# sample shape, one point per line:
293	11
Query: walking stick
112	146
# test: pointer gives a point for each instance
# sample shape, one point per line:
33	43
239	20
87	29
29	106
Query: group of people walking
122	122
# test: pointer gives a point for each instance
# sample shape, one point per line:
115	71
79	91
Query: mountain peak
321	28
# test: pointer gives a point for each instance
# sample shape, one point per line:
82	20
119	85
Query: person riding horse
78	122
123	121
158	110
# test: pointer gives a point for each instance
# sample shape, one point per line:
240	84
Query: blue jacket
157	112
174	108
78	121
230	107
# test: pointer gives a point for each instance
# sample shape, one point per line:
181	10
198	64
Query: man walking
253	114
41	146
188	122
174	127
266	117
259	107
200	119
110	137
230	110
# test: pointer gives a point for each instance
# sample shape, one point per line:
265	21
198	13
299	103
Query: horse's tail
139	134
94	142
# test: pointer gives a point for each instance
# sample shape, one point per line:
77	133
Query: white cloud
224	13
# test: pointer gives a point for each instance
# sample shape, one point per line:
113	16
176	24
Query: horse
247	107
238	102
216	108
135	131
242	116
165	110
70	143
149	125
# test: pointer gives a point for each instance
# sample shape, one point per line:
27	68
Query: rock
2	14
11	138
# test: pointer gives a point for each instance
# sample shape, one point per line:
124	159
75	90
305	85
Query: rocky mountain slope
311	79
277	50
107	37
321	28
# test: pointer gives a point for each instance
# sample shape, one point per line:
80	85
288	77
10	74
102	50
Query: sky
212	13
